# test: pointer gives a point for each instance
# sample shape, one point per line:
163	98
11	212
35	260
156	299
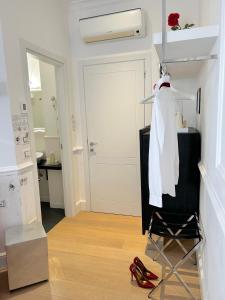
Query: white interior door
114	117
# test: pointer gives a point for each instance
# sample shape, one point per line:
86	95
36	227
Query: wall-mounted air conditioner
122	24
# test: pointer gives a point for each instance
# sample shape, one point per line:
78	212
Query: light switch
27	154
23	107
73	123
26	138
2	203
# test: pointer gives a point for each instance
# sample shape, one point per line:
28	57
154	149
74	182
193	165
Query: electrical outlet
2	203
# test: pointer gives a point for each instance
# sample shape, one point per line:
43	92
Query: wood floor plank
89	258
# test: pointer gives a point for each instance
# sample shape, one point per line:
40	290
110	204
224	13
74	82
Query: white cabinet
43	185
55	185
27	255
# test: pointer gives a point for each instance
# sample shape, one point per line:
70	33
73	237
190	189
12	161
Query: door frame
91	61
62	88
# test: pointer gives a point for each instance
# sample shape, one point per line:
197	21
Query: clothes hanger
166	77
182	97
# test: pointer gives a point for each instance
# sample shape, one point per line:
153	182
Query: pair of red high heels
142	275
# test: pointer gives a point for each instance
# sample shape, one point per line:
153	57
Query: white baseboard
44	198
81	204
57	205
200	264
201	275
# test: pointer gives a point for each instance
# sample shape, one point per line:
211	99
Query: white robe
163	148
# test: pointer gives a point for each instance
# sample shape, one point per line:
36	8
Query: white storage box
27	255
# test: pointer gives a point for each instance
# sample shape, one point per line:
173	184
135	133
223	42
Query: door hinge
145	74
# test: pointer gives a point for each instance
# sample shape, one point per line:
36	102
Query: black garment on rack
187	190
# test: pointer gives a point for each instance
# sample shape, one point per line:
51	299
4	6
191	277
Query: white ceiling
90	3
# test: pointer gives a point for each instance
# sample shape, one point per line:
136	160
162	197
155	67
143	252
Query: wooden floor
89	257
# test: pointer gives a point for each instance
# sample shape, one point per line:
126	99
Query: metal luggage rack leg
174	234
187	255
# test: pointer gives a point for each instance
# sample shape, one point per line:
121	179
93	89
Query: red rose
173	19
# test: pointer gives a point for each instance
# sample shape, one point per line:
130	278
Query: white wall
44	24
48	83
48	31
7	147
45	112
187	107
10	214
209	13
212	204
212	189
37	109
50	110
189	13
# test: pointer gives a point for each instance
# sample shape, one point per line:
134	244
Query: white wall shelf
187	43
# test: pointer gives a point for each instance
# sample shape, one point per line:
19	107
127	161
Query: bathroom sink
39	156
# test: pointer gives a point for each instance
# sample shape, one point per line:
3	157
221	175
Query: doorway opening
47	140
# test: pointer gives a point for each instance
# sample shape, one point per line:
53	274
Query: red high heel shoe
147	274
141	280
